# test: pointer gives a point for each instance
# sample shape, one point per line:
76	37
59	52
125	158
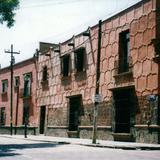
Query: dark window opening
25	114
65	65
4	86
80	59
45	74
27	85
17	81
124	49
2	118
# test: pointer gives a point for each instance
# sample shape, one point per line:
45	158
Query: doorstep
73	134
124	137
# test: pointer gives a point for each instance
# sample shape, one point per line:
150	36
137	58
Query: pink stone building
128	84
24	97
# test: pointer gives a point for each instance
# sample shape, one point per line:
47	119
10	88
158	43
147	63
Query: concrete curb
122	147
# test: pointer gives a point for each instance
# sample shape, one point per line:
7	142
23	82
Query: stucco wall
140	20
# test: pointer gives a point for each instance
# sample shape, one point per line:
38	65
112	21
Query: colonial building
128	84
24	108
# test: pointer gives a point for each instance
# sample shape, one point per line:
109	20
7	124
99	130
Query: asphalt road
18	149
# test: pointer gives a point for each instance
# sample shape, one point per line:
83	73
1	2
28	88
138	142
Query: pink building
129	71
54	92
24	97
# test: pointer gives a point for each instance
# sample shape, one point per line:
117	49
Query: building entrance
42	119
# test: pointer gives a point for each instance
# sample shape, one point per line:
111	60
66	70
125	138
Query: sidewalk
88	142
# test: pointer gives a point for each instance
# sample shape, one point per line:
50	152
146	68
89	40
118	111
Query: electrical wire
50	3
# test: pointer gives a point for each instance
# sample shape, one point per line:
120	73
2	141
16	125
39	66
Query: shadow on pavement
9	149
3	154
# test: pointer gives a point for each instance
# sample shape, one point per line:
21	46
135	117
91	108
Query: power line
50	3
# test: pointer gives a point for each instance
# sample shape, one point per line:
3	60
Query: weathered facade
24	106
129	76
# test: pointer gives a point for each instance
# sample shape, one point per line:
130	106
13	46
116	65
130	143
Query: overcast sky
53	21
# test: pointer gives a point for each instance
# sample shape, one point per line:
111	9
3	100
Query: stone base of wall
141	134
56	131
85	133
103	132
147	134
19	130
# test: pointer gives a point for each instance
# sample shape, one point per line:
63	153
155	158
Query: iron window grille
124	50
27	85
4	86
80	59
65	65
3	116
25	115
45	74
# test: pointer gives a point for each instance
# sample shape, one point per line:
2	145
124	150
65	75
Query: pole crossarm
12	52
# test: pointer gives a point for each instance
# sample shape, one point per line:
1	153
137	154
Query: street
23	149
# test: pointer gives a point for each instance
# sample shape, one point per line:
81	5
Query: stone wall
57	116
145	134
147	129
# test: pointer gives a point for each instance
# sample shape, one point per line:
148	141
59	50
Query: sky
52	21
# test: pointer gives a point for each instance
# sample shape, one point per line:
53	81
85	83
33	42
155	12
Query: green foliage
7	8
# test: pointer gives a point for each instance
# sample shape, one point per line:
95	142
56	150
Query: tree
7	8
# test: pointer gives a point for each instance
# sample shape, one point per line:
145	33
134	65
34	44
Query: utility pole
97	84
11	96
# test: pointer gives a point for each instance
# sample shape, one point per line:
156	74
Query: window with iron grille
4	86
2	118
27	85
25	114
45	74
80	60
124	49
65	65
